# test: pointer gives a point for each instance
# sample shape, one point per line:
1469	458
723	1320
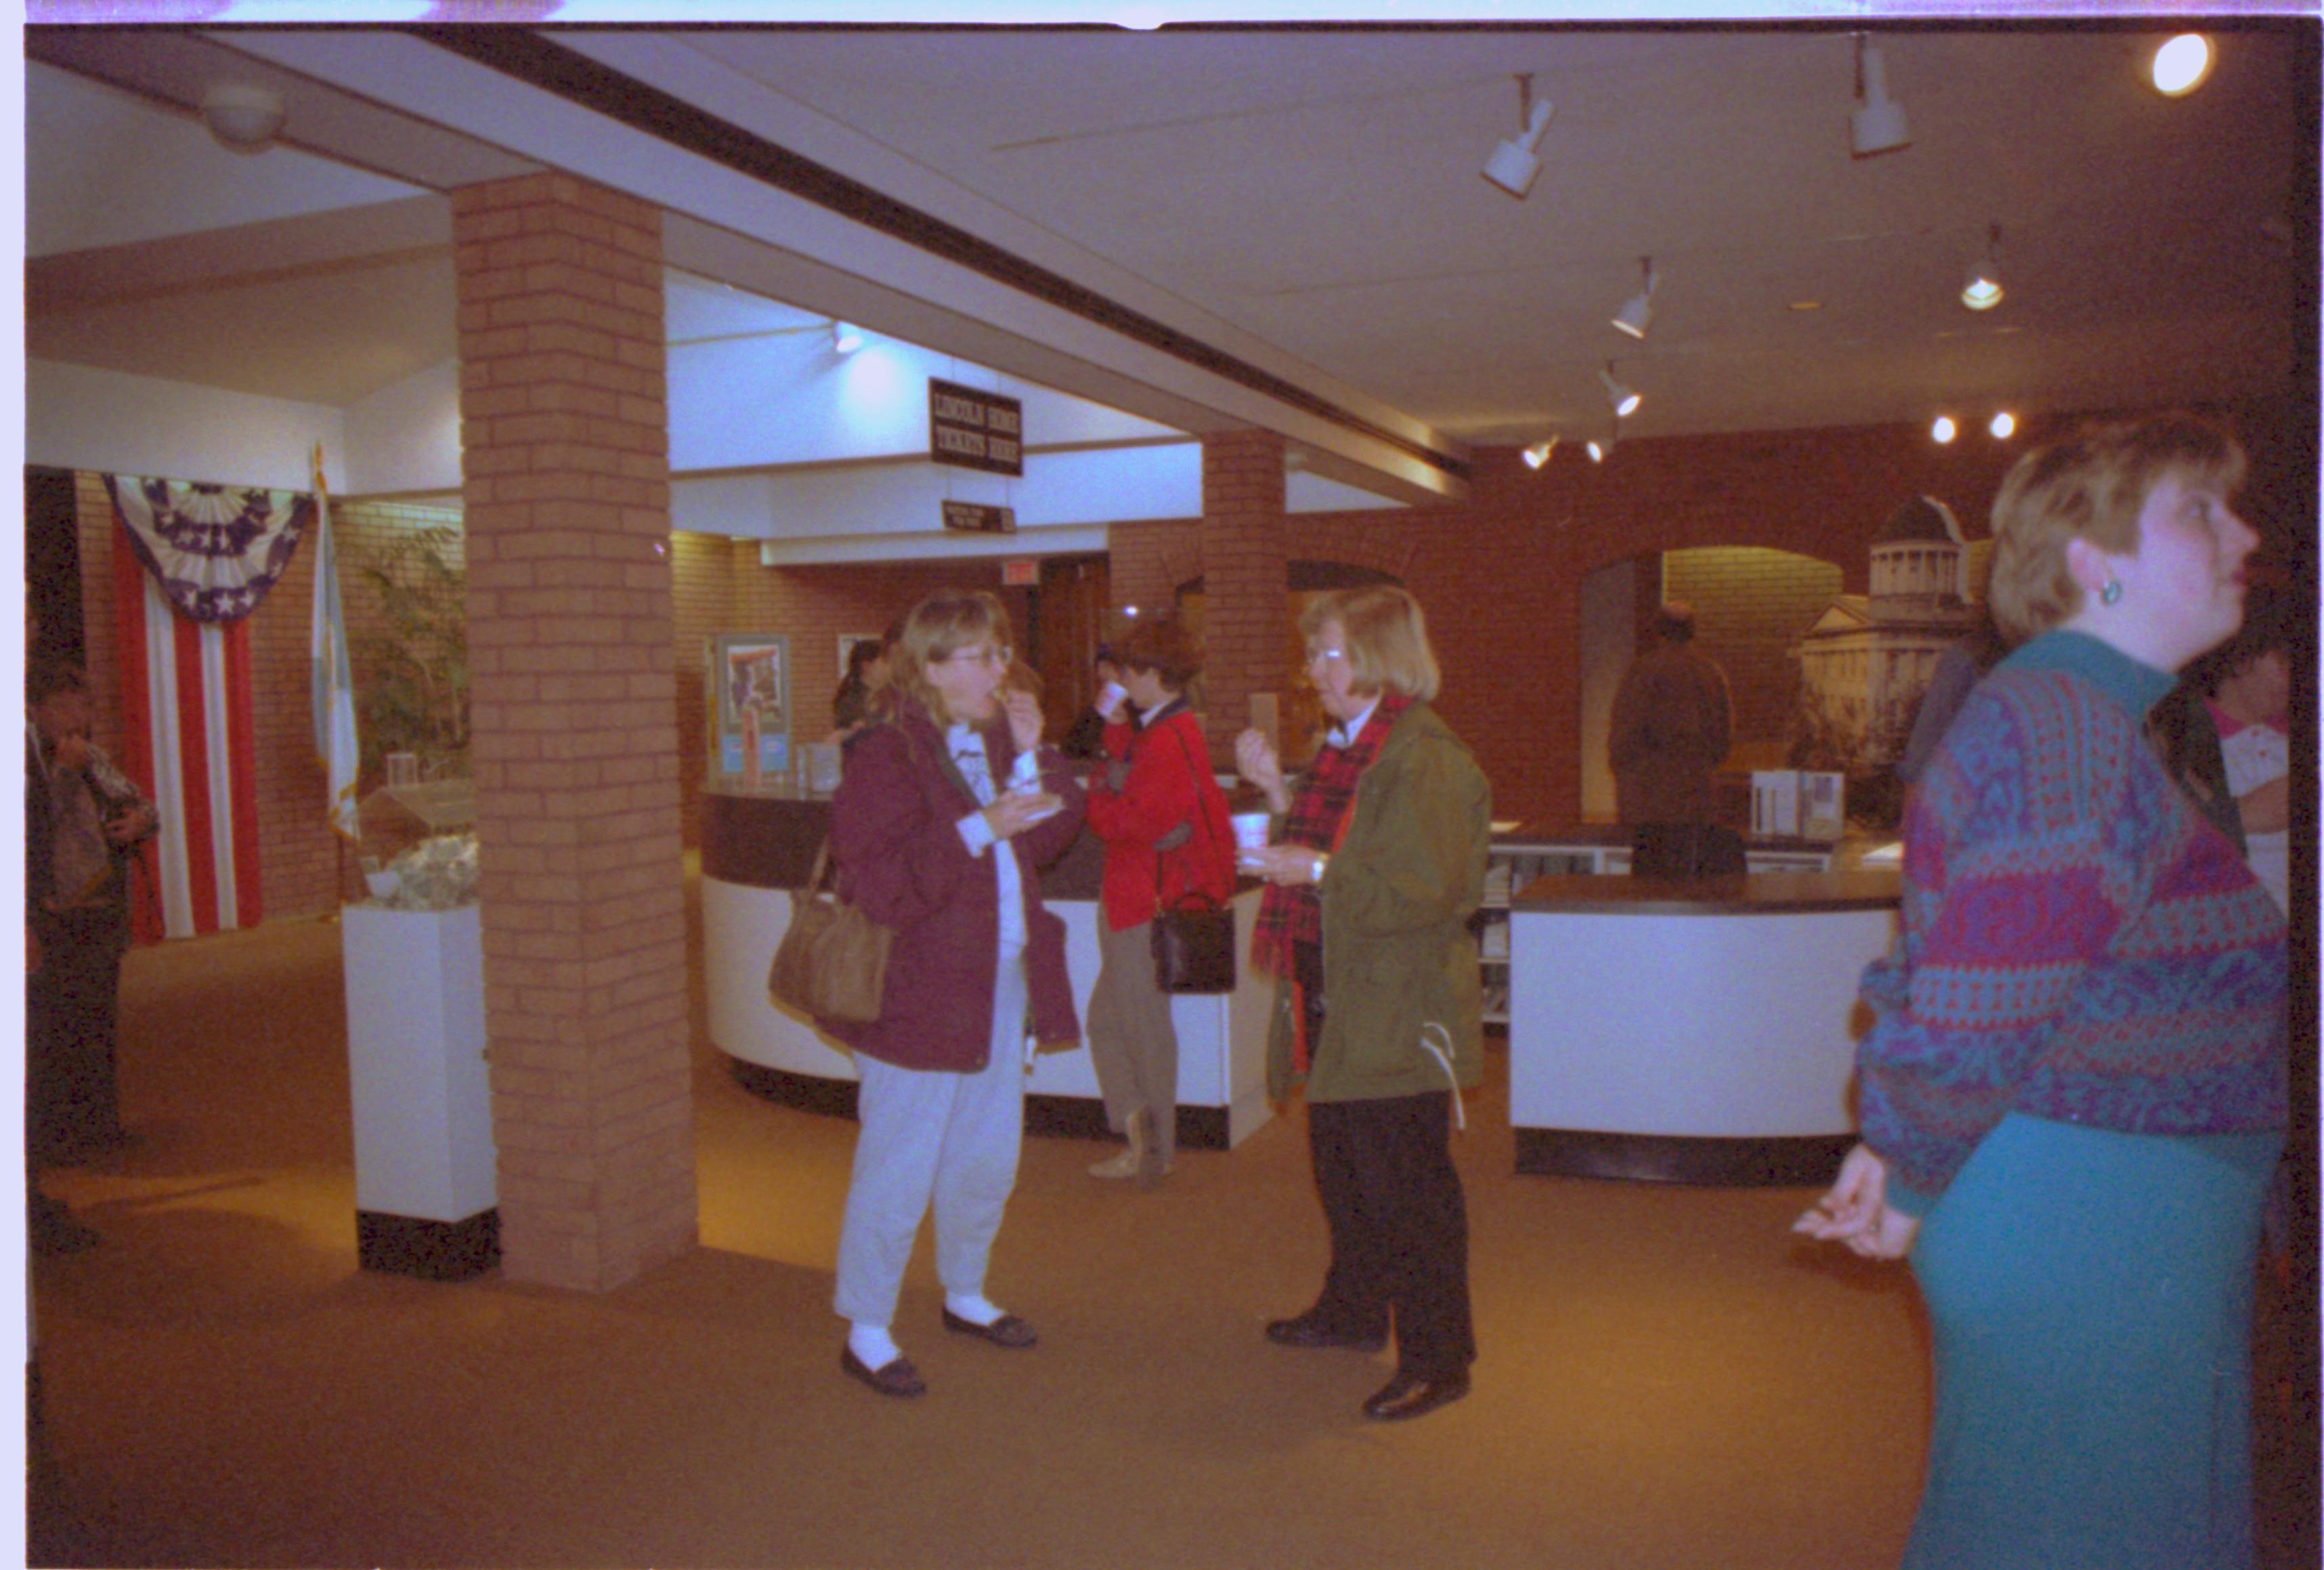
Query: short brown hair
1388	638
945	622
1160	645
2090	486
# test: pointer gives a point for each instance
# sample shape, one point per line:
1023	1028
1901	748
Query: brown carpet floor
1667	1379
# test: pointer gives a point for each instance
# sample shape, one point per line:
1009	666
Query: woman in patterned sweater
2074	1089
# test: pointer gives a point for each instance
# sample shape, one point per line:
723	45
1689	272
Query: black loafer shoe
1409	1396
897	1378
1308	1330
1007	1330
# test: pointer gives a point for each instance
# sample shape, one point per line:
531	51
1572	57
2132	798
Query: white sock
873	1347
977	1309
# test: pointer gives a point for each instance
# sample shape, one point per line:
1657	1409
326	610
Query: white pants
926	1133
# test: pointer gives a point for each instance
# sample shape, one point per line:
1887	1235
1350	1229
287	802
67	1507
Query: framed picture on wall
749	674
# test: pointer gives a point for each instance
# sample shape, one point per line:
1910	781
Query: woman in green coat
1379	865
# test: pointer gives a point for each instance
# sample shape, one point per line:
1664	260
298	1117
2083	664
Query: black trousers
72	1100
1399	1227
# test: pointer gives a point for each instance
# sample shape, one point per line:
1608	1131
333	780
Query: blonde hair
939	626
1387	638
2091	485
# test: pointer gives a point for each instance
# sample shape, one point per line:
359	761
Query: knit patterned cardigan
2075	942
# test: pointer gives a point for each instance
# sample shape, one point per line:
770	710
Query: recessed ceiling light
2181	64
2004	426
1943	431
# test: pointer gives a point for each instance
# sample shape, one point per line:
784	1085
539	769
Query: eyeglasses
983	655
1315	654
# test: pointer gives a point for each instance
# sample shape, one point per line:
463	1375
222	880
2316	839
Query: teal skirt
2091	1296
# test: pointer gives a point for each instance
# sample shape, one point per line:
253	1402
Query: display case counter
760	844
1691	1030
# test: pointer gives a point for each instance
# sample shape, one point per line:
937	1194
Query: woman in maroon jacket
1163	822
944	814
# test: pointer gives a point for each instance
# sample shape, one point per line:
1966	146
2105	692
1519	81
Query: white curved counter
757	846
1690	1030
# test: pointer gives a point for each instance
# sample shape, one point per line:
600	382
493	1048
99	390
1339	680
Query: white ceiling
1318	191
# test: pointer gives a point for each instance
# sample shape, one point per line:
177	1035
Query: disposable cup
1250	833
1108	696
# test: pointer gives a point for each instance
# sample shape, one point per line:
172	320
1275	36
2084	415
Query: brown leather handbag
833	961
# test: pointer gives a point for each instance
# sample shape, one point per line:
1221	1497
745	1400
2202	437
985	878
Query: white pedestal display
426	1190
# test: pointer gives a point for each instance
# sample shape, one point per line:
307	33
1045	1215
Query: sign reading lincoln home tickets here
975	430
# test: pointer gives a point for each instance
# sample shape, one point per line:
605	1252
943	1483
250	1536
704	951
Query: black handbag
1193	937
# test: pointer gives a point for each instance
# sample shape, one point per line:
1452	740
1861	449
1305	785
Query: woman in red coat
945	811
1163	822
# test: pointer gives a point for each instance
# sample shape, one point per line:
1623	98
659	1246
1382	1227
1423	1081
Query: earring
2112	594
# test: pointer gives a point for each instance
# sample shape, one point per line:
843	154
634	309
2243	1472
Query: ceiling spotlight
2181	64
1638	312
1943	431
845	339
1982	289
242	118
1622	398
1538	453
1877	125
2004	425
1599	451
1515	162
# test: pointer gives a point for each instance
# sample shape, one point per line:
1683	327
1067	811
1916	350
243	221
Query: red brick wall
1244	578
573	744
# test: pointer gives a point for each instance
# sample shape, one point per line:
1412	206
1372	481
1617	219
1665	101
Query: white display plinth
423	1121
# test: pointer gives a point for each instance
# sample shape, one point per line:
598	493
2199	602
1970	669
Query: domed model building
1867	660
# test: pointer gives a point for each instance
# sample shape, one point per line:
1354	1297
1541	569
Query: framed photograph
748	675
751	669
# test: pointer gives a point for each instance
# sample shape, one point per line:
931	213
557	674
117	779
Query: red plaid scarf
1291	914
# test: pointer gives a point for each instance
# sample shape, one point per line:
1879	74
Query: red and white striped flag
189	734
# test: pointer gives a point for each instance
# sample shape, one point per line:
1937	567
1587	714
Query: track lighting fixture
1982	290
1878	124
1514	163
1638	312
845	339
1625	400
1538	453
2181	65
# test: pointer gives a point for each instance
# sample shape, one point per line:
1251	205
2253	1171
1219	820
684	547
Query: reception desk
757	844
1697	1030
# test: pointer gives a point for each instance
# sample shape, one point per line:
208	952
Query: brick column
1246	590
565	481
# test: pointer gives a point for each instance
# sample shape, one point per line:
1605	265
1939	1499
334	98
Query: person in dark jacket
948	808
1163	822
1379	865
1672	722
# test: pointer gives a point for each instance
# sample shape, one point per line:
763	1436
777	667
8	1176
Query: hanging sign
975	430
1020	572
977	518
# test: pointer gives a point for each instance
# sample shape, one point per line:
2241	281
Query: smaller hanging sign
979	519
975	430
1020	572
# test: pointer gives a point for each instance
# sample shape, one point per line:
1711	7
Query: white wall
75	418
405	437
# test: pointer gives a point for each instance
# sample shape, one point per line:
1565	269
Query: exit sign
1020	572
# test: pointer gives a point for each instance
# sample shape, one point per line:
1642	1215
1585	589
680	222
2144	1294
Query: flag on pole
334	678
